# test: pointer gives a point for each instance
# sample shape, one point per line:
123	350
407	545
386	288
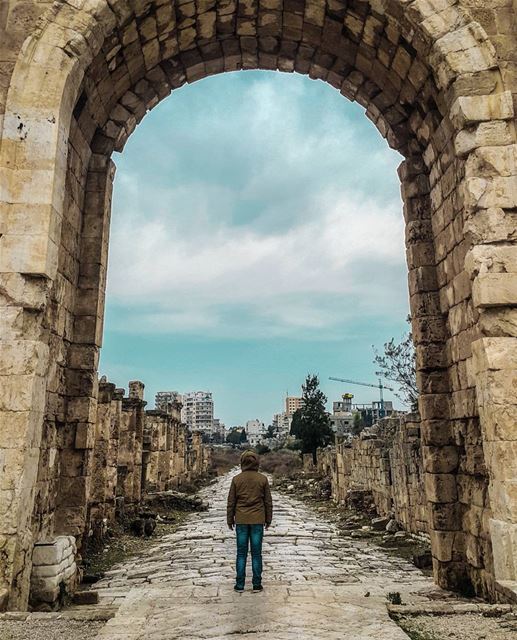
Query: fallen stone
392	526
379	524
85	597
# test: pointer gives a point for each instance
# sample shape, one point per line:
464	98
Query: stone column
101	495
81	375
33	157
430	332
490	202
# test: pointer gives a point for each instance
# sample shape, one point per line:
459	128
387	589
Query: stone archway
428	77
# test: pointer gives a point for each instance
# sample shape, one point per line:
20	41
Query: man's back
249	501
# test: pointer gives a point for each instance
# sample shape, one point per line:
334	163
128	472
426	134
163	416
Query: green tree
262	449
311	423
243	437
398	364
296	424
234	437
270	433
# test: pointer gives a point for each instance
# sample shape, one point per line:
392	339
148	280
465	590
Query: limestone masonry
134	452
386	460
438	78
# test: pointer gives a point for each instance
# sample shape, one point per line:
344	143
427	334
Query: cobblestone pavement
315	583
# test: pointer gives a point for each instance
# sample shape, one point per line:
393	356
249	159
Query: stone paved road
315	583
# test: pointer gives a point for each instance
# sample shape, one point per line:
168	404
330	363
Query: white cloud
297	240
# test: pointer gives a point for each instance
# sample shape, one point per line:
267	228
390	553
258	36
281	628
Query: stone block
495	132
490	161
469	110
82	409
488	193
504	543
499	321
442	545
434	406
495	290
20	429
489	258
431	356
83	356
74	491
436	432
499	422
440	487
445	517
442	459
22	393
494	354
491	225
52	553
136	390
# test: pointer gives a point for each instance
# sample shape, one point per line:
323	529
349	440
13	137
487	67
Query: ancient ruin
385	461
439	80
134	452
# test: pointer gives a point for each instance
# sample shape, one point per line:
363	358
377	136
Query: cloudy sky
256	236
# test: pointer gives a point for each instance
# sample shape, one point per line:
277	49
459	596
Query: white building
218	428
342	417
198	411
282	424
255	431
165	400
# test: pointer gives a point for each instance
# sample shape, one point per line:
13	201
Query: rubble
175	500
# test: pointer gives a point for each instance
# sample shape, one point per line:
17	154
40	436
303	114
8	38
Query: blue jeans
249	535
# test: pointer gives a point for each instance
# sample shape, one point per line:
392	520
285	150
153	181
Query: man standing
250	508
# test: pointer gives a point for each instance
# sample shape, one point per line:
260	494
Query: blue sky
256	235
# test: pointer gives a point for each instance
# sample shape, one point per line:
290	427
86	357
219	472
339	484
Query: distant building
342	417
371	413
292	404
218	428
282	424
167	401
198	411
255	432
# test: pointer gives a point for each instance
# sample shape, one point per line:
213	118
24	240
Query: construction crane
379	386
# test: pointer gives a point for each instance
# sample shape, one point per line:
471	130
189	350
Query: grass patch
224	459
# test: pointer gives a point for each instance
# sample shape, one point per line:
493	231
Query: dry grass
224	459
279	463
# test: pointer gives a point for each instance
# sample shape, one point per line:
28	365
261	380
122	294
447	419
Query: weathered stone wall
137	451
407	476
173	456
133	452
386	461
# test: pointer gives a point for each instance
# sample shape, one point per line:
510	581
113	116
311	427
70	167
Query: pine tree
311	423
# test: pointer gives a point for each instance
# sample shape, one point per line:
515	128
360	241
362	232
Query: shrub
224	459
261	449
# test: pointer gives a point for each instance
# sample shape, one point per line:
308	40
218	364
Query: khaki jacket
249	499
